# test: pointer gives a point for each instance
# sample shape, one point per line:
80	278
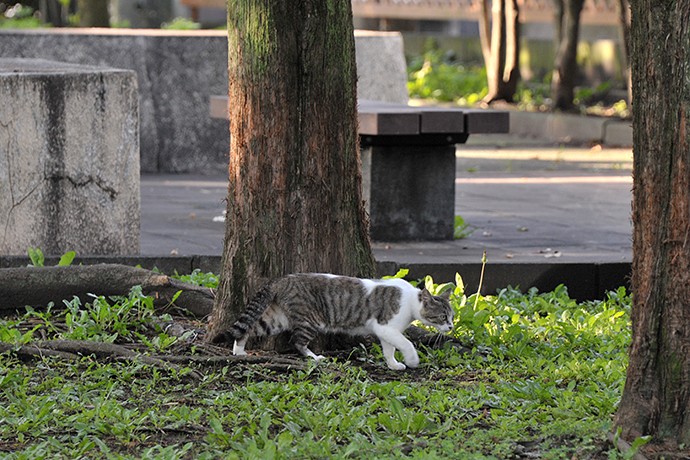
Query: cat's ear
425	295
446	294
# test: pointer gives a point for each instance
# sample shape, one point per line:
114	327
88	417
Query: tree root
38	286
625	448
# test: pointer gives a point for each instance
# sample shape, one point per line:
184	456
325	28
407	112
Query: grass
542	379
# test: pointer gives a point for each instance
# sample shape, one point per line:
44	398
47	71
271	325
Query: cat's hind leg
301	336
238	346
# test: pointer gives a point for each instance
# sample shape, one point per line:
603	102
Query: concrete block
411	192
568	128
618	134
381	67
178	71
69	158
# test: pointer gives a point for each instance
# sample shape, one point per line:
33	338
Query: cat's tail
255	308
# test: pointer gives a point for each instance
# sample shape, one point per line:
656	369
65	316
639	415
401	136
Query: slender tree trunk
624	22
656	398
565	69
93	13
558	24
294	197
500	40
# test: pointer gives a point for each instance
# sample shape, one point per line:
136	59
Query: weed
461	229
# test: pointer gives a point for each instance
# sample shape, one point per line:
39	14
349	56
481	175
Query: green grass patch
542	380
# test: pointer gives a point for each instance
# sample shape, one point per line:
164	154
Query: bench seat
408	164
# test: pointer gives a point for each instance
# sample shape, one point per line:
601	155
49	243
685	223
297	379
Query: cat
308	303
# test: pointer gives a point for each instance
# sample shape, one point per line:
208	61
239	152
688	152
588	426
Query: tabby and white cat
308	303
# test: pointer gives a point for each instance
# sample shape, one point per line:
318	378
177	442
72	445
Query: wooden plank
437	120
392	123
378	118
205	3
478	121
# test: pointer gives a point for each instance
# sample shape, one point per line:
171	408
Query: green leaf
67	259
37	257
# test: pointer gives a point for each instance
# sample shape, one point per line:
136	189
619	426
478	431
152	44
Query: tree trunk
294	198
558	24
624	23
656	398
93	13
565	69
500	40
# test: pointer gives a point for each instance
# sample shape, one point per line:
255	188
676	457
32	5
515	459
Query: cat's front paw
396	366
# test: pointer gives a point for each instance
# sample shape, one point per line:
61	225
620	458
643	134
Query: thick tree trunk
294	198
500	40
565	69
656	399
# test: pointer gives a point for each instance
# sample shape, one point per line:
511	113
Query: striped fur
308	304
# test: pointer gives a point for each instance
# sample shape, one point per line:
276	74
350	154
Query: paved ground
526	203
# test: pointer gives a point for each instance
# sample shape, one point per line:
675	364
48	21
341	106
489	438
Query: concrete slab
550	128
545	216
178	71
69	158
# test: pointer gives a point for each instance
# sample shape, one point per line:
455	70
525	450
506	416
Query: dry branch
37	286
73	350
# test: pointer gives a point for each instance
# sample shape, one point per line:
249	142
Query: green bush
181	24
432	76
19	17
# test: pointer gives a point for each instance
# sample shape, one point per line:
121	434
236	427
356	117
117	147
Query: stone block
409	191
178	71
381	67
69	158
618	134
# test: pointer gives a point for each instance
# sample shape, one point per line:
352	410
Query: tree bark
565	69
93	13
656	398
294	197
500	41
37	286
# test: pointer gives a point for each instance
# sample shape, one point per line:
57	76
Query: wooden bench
194	6
408	164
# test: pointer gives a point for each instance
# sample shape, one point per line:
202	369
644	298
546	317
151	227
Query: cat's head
436	310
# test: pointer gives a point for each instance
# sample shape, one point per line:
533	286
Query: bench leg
410	191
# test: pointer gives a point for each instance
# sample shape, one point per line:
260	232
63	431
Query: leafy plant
36	256
461	229
180	23
38	259
433	77
209	280
19	17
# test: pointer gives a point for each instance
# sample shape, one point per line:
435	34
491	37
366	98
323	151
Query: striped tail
255	308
